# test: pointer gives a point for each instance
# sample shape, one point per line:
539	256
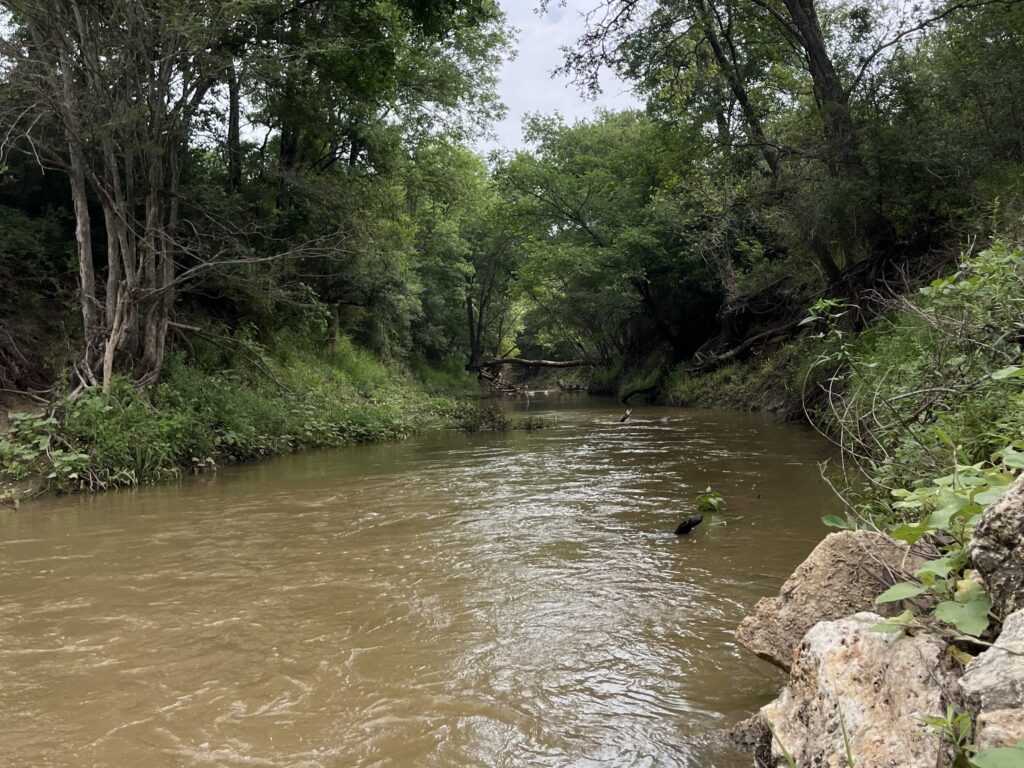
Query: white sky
526	83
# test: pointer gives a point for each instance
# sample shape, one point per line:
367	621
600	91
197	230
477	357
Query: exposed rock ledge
997	550
840	577
994	683
875	686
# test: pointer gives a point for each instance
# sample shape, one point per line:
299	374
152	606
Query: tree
610	266
751	48
115	93
108	93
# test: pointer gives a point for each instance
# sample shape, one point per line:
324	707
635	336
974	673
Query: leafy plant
948	508
196	418
955	730
1000	757
710	502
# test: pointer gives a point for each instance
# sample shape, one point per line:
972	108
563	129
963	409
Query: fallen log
500	361
772	335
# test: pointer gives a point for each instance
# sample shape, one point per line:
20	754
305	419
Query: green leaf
835	521
1009	372
1001	757
951	503
991	495
970	618
940	568
901	591
908	533
1012	458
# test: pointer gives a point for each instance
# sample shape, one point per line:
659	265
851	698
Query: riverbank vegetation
218	408
234	230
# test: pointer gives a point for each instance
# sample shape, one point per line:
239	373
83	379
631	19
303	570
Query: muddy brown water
456	600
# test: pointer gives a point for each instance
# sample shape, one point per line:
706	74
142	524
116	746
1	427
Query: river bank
224	406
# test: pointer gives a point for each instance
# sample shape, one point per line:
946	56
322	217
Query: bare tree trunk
149	365
829	93
80	204
475	354
335	322
83	239
113	292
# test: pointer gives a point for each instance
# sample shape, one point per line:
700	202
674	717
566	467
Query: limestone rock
997	550
842	576
876	685
1000	728
994	684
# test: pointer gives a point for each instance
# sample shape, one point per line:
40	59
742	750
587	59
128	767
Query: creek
513	599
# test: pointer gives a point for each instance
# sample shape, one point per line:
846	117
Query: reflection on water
457	600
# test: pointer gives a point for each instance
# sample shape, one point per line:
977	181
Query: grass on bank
220	406
772	382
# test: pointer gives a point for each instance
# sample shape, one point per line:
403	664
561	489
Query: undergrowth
936	382
220	406
927	407
766	383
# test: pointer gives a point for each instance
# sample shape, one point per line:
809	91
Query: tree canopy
254	165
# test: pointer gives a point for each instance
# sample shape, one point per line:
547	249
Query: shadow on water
456	600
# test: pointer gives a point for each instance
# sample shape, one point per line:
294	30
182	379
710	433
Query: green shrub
937	381
770	382
471	417
449	378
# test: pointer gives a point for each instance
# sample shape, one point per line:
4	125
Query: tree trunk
155	317
288	156
829	93
475	354
832	271
86	268
335	321
234	131
727	65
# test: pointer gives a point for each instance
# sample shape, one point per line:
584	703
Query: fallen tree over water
499	362
490	371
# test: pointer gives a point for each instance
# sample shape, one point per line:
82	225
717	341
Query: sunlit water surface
457	600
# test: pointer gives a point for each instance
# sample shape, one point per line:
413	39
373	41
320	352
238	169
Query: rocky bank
856	696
